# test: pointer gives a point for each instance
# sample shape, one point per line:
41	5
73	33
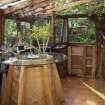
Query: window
11	33
81	30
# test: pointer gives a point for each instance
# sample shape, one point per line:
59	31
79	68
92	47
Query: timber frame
2	21
29	10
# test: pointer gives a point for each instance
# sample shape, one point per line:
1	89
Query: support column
2	26
53	28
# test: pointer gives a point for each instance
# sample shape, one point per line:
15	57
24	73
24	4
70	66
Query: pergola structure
28	10
25	10
27	7
85	60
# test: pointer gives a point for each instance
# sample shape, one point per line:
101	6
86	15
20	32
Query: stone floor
76	93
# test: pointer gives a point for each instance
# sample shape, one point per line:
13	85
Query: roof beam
6	1
38	5
18	6
23	5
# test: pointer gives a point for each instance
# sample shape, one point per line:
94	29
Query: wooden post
67	29
31	26
62	30
2	21
19	33
52	39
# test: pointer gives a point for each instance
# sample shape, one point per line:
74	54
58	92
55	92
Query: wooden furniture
33	82
82	59
62	66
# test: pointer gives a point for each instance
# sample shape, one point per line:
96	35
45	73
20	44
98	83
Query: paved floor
76	93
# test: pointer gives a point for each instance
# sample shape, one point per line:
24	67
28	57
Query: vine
91	7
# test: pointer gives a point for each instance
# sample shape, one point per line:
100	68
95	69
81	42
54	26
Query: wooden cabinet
82	59
33	84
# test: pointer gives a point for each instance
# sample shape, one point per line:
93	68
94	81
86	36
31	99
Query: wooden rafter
7	1
17	7
27	4
31	7
38	7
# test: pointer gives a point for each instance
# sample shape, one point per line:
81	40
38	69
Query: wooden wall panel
82	60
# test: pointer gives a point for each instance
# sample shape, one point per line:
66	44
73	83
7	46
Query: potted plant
41	34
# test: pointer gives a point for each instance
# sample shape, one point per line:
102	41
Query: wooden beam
72	16
6	1
2	20
18	6
26	4
42	4
53	28
79	15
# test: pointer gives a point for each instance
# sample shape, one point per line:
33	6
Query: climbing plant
10	32
82	30
70	7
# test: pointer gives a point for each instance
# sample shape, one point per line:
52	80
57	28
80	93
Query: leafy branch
90	7
41	34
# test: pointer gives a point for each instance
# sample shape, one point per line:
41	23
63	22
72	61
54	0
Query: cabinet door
75	59
81	60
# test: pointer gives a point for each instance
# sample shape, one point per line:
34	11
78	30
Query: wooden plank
94	62
2	21
53	20
82	57
8	88
21	87
28	3
84	60
33	85
17	7
41	4
69	60
6	1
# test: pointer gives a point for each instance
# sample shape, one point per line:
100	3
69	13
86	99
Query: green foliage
82	30
25	31
92	7
58	3
10	32
41	32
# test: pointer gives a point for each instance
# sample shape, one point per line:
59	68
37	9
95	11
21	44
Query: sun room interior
52	52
